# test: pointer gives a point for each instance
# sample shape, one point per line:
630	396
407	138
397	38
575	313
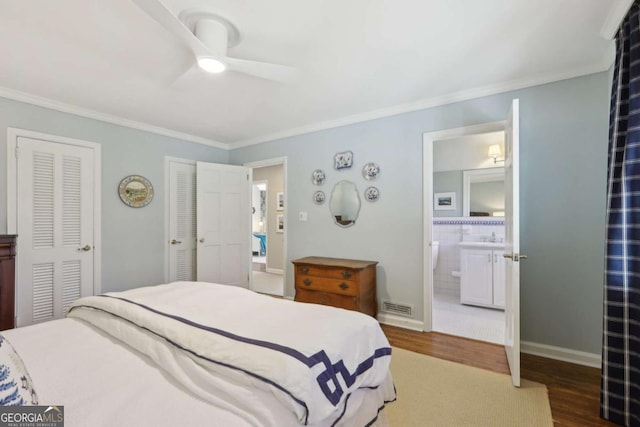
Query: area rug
435	392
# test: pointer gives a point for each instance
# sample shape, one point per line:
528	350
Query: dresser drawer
325	298
342	287
7	250
344	273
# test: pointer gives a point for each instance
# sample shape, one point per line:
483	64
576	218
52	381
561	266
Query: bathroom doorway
467	229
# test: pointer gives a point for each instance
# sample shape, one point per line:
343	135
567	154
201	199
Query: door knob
85	248
175	242
515	257
201	240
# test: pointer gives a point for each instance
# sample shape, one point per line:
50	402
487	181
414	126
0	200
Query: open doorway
268	235
259	225
467	229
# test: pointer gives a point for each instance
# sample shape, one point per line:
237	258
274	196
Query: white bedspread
311	359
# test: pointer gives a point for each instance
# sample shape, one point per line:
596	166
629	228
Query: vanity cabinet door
476	276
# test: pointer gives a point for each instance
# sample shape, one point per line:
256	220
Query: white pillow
16	386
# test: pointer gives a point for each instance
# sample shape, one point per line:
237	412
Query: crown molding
617	12
92	114
422	104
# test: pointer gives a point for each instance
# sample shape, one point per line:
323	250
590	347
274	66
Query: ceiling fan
208	36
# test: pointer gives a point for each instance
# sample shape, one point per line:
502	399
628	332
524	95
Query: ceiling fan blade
159	12
263	70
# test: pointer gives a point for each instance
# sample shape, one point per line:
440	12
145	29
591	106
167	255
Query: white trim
274	162
12	184
167	207
427	197
96	115
422	104
275	271
401	322
564	354
426	103
617	12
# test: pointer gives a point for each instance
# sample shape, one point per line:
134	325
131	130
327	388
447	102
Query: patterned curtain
620	385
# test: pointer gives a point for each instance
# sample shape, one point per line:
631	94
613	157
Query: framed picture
279	201
444	201
135	191
280	223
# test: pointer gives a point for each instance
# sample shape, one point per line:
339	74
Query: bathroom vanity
482	274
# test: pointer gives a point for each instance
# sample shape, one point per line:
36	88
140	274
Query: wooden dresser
7	281
343	283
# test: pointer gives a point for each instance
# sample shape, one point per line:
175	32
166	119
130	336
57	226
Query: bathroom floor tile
451	317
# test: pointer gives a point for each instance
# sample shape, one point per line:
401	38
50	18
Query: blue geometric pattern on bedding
16	386
327	380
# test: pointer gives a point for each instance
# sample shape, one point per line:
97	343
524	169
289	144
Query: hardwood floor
574	390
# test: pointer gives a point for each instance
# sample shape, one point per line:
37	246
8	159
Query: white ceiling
356	59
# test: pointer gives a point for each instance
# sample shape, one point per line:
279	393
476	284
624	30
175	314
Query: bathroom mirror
483	192
345	203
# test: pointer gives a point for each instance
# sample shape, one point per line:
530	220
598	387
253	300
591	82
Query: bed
193	353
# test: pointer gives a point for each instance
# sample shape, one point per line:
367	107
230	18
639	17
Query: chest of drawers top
353	264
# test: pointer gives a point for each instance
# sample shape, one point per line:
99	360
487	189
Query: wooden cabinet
482	280
343	283
7	281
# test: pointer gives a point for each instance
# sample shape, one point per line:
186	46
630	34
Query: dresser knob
304	270
346	274
344	286
306	282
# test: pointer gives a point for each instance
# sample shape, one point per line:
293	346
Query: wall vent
399	309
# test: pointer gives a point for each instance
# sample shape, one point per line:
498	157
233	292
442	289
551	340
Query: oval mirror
345	203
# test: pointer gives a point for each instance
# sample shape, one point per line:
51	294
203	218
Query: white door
55	217
224	223
512	242
182	221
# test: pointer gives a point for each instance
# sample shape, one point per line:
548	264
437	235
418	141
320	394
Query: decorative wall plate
135	191
319	197
371	194
343	160
370	171
318	177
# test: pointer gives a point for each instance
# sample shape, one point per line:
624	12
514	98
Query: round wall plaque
135	191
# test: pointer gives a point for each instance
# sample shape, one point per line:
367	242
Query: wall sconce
494	152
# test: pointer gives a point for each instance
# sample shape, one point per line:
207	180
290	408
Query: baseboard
401	322
551	352
560	353
275	270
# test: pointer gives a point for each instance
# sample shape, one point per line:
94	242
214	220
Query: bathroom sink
480	245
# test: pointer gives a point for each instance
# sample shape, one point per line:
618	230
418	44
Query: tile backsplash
451	231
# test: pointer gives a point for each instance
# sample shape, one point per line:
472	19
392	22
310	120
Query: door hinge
247	177
17	151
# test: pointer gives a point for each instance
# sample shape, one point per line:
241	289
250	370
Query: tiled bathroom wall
451	231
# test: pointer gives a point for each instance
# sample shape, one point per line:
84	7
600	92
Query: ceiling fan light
211	65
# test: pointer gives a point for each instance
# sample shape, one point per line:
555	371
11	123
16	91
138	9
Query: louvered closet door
182	221
55	228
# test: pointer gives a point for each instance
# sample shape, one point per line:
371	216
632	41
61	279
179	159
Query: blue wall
132	239
562	189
